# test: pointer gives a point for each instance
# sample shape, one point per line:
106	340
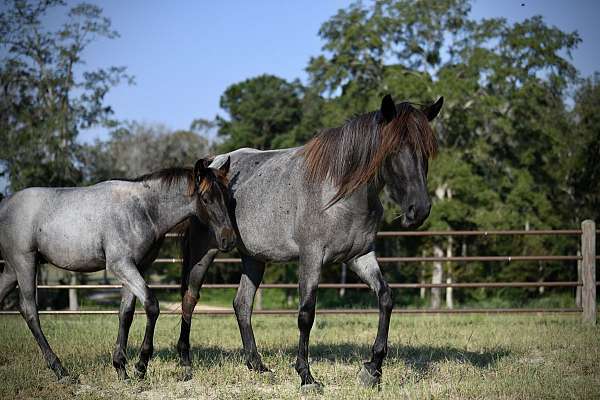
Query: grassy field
429	357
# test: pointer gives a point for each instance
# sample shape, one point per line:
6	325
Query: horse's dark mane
353	154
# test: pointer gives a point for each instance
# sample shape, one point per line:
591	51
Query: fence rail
587	282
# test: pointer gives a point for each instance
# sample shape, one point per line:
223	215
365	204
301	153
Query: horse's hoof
138	373
366	379
262	369
312	388
122	375
187	374
68	380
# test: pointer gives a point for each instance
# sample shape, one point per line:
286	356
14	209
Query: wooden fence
587	281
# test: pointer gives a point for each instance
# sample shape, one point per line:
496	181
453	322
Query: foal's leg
188	303
367	268
8	281
126	313
252	275
309	273
131	278
25	269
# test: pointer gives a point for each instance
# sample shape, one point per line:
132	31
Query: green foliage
43	102
261	111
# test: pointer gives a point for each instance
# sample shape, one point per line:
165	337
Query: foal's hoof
257	366
366	379
312	388
68	380
139	373
187	374
122	375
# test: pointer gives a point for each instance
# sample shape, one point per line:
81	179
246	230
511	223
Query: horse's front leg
126	313
252	275
191	292
133	281
367	268
309	273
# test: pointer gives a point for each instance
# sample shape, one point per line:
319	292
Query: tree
135	149
582	153
44	97
262	110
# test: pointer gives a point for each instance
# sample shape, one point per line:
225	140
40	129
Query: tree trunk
579	278
450	276
423	290
73	301
343	279
436	278
258	303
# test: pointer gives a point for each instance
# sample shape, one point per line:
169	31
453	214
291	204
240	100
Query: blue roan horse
318	204
118	225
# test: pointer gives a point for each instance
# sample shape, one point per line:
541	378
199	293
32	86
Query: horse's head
212	201
404	171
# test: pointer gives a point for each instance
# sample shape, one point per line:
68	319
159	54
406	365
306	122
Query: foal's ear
201	170
433	110
388	108
225	167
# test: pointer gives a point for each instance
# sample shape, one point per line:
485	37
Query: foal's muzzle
226	239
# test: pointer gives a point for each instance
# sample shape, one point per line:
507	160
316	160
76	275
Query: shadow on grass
420	359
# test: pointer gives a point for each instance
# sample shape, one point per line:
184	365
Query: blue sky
184	54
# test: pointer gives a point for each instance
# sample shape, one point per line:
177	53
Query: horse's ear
225	167
200	171
433	110
388	108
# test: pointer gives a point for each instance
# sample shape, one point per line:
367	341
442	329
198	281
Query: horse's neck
168	206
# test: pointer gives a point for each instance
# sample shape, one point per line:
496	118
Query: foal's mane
169	177
353	154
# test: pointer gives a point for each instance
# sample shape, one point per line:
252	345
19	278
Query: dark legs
133	282
310	271
126	313
25	268
252	275
367	269
188	303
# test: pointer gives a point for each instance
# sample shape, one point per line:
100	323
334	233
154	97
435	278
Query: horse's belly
268	245
71	251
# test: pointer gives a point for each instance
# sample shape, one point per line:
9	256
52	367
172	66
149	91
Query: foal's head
411	143
212	201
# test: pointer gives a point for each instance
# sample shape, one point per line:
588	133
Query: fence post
588	266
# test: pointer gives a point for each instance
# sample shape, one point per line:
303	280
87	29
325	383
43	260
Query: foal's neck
169	205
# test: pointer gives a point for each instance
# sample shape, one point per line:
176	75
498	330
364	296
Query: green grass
429	357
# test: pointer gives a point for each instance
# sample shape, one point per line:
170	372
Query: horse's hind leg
131	278
25	269
367	268
252	275
125	318
8	281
